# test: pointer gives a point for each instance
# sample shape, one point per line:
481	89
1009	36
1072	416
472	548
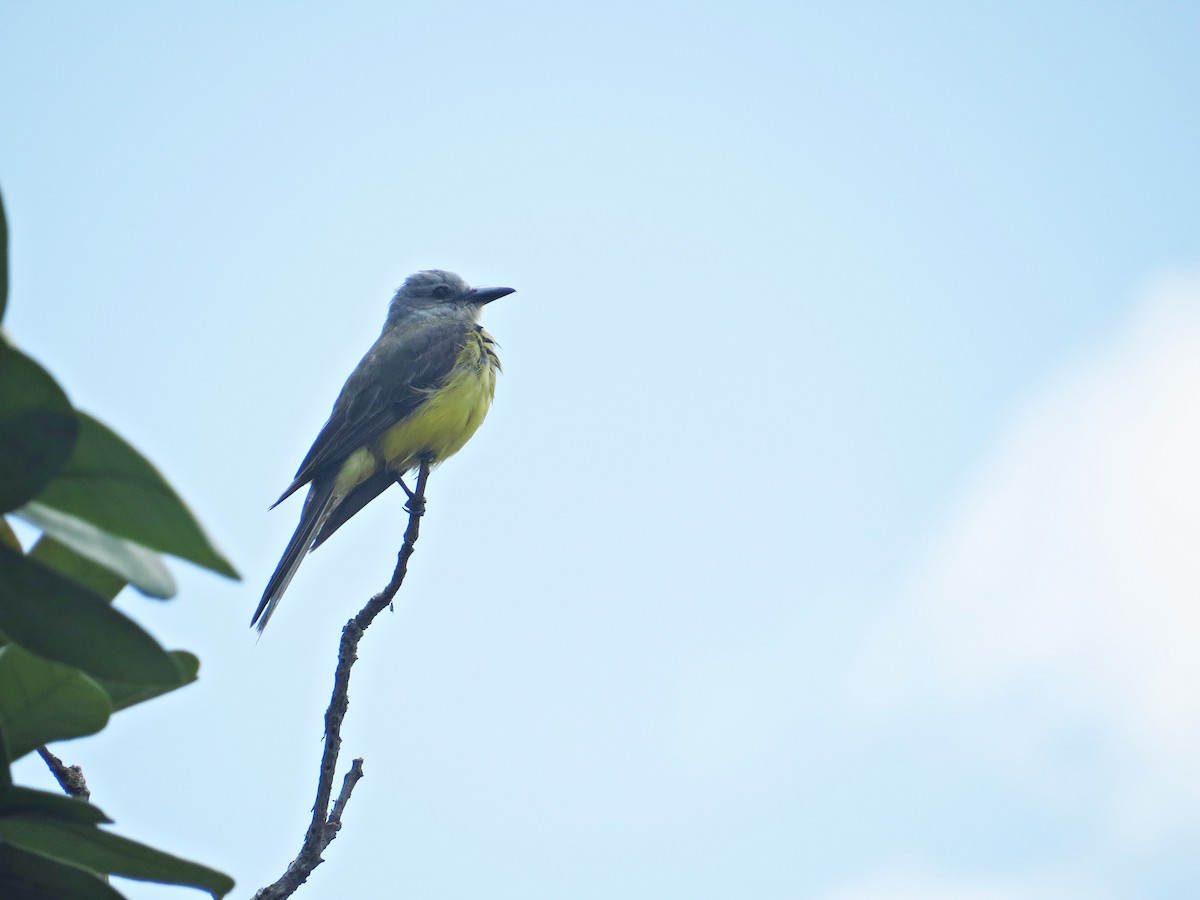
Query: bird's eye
441	292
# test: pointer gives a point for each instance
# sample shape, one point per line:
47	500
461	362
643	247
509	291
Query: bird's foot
415	504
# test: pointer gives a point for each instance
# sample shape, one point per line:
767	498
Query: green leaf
31	876
142	568
103	582
42	701
108	483
14	800
61	620
38	428
3	258
106	853
123	696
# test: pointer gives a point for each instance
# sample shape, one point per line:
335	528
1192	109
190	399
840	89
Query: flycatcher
419	394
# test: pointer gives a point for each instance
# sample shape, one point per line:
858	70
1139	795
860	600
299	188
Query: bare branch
70	778
326	822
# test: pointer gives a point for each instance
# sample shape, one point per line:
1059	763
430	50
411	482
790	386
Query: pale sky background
836	530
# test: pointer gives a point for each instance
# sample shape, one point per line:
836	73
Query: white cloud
1050	636
1063	596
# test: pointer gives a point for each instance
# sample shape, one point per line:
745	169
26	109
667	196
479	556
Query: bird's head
436	292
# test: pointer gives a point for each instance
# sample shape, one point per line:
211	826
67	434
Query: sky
833	534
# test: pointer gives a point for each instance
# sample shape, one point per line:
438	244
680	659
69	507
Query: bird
418	395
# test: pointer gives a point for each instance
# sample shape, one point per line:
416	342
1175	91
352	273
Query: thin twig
334	822
70	778
326	822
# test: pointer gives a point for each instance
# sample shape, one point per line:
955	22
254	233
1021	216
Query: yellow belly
450	417
438	428
443	425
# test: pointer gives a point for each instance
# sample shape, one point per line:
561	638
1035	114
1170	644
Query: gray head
437	293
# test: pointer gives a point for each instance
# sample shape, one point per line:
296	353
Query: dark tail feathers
317	507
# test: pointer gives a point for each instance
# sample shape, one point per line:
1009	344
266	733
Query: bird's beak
482	295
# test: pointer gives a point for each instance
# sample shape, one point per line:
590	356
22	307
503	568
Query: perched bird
418	395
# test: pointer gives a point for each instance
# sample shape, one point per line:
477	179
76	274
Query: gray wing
391	381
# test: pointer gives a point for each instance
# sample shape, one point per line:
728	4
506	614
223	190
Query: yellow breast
452	415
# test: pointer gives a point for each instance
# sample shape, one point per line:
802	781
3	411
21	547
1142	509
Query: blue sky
833	533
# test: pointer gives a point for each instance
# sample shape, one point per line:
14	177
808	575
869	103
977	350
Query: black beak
484	295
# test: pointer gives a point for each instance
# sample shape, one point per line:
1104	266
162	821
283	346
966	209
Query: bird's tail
317	507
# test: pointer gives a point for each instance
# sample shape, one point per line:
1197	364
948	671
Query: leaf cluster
68	658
